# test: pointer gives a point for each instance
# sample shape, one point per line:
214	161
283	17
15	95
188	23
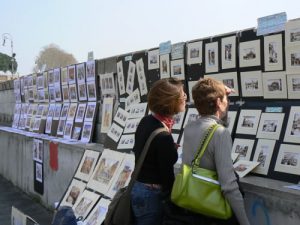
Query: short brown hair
205	94
164	96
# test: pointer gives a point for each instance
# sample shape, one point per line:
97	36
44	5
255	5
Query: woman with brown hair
155	180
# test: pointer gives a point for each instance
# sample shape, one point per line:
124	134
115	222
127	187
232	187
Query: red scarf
168	121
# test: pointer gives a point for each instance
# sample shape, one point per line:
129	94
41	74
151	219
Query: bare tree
52	56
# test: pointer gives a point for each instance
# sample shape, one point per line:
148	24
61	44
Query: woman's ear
218	103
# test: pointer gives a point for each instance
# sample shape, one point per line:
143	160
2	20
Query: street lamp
8	36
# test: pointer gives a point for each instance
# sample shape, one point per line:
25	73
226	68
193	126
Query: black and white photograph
121	82
80	112
270	125
140	70
87	165
243	167
137	110
251	83
91	91
178	120
115	132
126	141
90	111
273	52
292	33
39	172
243	147
191	115
293	86
275	85
194	53
90	70
249	53
292	133
107	83
131	125
211	57
121	116
38	150
293	59
164	66
288	159
132	99
71	74
153	59
80	73
248	121
130	78
177	69
228	52
86	134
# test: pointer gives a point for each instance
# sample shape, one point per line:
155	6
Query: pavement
11	195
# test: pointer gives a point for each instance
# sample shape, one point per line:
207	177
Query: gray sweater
217	157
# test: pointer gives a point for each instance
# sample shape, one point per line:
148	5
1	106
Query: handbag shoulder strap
142	157
204	143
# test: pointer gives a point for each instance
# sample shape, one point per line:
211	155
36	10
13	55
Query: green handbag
198	190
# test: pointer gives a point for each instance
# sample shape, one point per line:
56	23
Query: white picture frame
249	53
72	92
194	52
72	111
293	86
251	83
115	131
153	59
130	78
68	129
273	52
121	116
211	57
292	133
164	63
274	85
263	154
90	70
131	125
61	126
107	83
177	69
270	125
38	150
243	147
107	110
80	73
65	93
87	129
248	121
243	167
120	74
80	113
132	99
126	141
82	95
140	70
90	111
97	215
228	52
64	111
39	172
137	110
91	91
87	165
64	76
73	192
85	203
292	33
292	59
71	74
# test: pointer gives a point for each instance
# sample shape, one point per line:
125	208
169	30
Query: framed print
50	111
36	124
48	124
87	165
97	216
18	217
76	132
164	66
50	78
38	150
80	112
234	156
243	167
228	79
292	59
90	70
153	59
61	126
51	94
140	70
121	116
72	111
80	73
243	147
137	110
178	120
120	74
68	129
64	76
288	159
228	54
130	78
292	133
73	92
270	125
39	111
57	111
126	141
122	176
106	168
273	52
191	115
85	203
56	73
87	129
45	112
64	111
248	121
251	83
292	33
177	69
39	172
107	110
211	57
133	98
90	111
71	74
249	53
115	132
263	154
91	91
131	125
194	53
65	93
231	117
274	85
293	85
45	74
40	82
75	189
107	83
41	95
82	92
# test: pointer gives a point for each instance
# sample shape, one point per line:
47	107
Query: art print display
61	126
228	52
249	53
50	111
64	111
178	120
194	52
248	121
91	91
263	154
243	167
107	83
274	85
106	168
132	99
72	111
131	125
73	92
211	57
115	132
40	82
121	116
76	132
51	94
243	147
97	216
39	172
41	95
123	175
292	58
64	76
292	33
251	83
90	111
288	159
137	110
164	66
293	85
75	189
36	124
130	78
273	52
177	69
121	81
231	117
90	70
141	76
107	110
71	74
82	92
57	78
153	59
86	132
292	133
270	125
65	93
50	78
48	124
85	203
87	165
57	111
126	141
80	113
191	115
38	150
68	129
80	73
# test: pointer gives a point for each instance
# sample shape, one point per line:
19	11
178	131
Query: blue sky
115	27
